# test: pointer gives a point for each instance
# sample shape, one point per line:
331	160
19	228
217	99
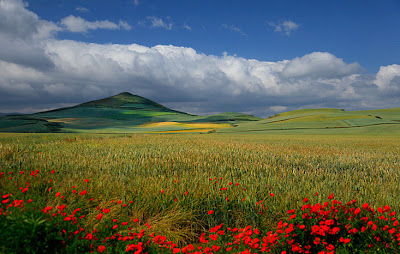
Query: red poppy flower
101	248
6	195
203	239
210	212
291	211
216	248
214	237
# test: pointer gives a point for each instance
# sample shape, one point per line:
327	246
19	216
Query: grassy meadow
172	182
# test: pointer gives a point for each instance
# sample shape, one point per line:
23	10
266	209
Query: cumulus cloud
234	29
78	24
160	23
319	65
17	22
22	33
285	27
388	78
44	72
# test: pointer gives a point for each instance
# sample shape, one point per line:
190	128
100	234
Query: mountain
121	113
127	100
128	113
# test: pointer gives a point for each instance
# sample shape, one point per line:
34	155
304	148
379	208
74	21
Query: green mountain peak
126	100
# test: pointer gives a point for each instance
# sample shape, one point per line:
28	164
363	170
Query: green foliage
28	232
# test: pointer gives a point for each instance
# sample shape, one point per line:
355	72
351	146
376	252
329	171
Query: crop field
179	187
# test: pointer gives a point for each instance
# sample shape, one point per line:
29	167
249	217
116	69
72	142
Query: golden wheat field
172	181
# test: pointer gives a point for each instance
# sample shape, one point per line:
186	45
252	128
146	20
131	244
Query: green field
122	113
61	170
326	121
173	181
127	113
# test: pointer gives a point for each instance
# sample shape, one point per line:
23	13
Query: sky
259	57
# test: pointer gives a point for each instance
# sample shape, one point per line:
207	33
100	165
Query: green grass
325	121
127	113
138	167
141	165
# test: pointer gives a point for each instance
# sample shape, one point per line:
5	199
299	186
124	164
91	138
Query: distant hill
128	101
121	113
327	121
128	113
6	114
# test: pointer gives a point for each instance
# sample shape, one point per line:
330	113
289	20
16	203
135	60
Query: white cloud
39	71
17	22
388	78
278	109
286	27
187	27
124	25
136	2
319	65
78	24
234	29
82	9
21	35
160	23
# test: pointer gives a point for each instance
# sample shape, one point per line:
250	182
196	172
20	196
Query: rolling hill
326	120
128	113
121	113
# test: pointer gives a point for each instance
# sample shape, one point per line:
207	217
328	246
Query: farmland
125	173
128	113
172	182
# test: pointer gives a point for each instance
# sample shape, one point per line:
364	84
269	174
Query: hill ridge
129	113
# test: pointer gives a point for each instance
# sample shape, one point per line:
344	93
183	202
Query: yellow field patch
187	125
65	120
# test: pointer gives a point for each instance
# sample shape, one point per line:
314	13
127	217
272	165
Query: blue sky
197	56
366	32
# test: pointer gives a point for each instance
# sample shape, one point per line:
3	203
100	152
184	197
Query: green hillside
122	113
325	120
128	113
